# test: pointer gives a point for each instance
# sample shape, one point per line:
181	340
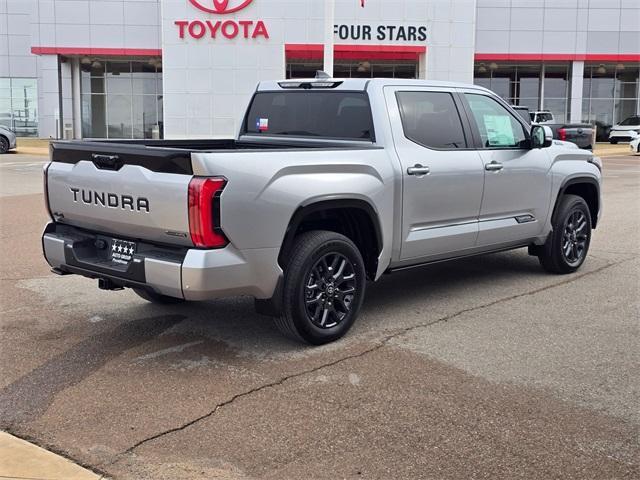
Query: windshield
308	113
631	121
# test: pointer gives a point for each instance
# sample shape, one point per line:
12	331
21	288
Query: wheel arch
586	187
355	218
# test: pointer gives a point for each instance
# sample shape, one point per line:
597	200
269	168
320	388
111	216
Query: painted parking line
22	164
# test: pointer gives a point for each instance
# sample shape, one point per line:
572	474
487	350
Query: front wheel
567	246
324	286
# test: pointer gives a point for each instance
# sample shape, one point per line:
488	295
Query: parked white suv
626	130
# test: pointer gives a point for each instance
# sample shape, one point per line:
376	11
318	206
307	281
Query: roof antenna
320	75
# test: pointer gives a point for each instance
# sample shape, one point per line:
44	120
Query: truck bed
174	156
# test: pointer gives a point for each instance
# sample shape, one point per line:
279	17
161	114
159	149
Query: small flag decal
262	124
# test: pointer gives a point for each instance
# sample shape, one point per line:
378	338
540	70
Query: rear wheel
567	247
154	297
4	145
324	286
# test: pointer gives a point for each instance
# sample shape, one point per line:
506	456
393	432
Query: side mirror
541	136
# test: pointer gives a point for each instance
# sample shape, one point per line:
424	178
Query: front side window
431	119
498	128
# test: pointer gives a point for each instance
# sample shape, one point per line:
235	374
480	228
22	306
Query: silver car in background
8	140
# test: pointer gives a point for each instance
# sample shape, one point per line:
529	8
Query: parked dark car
579	133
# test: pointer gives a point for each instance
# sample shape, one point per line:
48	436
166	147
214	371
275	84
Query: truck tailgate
128	199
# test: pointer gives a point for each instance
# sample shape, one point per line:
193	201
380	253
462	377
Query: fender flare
573	181
332	204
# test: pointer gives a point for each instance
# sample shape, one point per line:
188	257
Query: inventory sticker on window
499	131
262	124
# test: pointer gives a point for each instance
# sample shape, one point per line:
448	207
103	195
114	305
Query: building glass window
19	105
121	99
354	69
610	94
556	91
536	86
518	84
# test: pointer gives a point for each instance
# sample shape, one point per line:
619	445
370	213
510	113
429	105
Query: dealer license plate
122	251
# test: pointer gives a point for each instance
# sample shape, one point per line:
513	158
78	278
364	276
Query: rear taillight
204	212
562	134
45	181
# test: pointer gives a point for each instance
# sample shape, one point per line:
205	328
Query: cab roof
356	83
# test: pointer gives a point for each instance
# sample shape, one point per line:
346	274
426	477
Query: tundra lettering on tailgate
110	200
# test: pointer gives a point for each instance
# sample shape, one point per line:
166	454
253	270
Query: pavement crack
246	393
380	344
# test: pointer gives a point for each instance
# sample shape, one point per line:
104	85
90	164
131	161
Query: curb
21	459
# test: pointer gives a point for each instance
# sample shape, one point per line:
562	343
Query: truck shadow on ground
234	322
230	333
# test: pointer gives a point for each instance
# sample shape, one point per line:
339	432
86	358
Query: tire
568	244
153	297
4	145
613	142
323	290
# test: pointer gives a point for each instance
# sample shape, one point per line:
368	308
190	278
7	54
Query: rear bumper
191	274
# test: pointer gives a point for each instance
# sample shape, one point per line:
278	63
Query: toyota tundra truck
330	183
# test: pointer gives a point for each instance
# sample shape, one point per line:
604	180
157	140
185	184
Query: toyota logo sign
220	7
228	28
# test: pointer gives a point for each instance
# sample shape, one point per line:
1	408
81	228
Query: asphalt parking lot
483	368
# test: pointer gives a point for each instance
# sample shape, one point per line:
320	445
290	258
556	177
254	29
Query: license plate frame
122	251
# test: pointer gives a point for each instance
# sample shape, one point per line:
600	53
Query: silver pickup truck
330	183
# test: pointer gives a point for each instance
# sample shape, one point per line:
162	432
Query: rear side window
431	119
308	113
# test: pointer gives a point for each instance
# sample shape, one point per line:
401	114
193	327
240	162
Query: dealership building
187	68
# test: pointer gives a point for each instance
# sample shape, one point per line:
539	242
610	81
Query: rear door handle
418	170
493	166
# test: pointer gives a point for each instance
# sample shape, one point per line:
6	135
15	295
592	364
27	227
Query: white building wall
96	24
575	27
15	39
208	82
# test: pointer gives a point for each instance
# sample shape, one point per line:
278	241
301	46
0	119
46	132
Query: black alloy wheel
567	246
323	289
329	290
575	237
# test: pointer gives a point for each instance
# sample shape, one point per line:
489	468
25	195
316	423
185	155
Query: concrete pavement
482	368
